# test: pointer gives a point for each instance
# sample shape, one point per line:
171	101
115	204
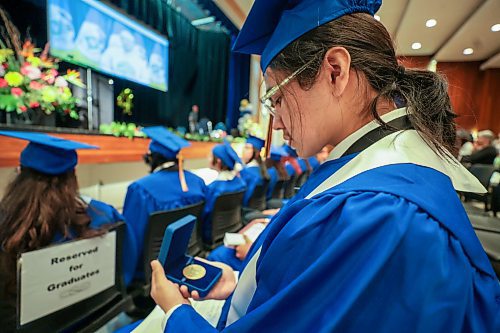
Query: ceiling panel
460	24
493	62
391	12
450	14
476	34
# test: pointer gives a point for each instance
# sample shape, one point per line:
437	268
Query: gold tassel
182	177
267	150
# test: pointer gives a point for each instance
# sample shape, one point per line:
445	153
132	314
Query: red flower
67	111
35	85
5	65
34	105
16	91
23	108
3	83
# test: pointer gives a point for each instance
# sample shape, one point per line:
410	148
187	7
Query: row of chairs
491	199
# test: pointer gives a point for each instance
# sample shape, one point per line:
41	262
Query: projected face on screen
61	27
89	33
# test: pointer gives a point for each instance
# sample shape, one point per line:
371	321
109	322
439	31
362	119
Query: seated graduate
255	171
42	206
276	168
316	160
167	187
291	162
228	164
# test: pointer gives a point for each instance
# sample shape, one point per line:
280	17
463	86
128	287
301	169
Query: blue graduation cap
227	155
256	142
291	152
273	24
164	142
277	153
48	154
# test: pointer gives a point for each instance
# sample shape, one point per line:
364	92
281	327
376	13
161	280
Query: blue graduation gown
226	255
289	169
389	250
302	164
253	178
100	214
273	179
157	192
214	190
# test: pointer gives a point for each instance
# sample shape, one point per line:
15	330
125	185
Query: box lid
175	241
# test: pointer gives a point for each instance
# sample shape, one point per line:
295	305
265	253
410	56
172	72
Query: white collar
164	166
399	148
226	175
342	147
252	163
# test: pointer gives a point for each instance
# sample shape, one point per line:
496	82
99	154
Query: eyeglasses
266	99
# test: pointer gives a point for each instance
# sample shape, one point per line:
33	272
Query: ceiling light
431	23
378	18
468	51
416	46
495	27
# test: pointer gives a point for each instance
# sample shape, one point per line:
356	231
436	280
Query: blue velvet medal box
174	259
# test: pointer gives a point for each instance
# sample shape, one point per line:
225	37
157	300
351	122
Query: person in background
41	206
255	171
276	168
291	162
193	119
167	187
377	240
464	143
484	151
224	160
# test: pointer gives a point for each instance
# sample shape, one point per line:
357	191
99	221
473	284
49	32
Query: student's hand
242	250
221	290
165	293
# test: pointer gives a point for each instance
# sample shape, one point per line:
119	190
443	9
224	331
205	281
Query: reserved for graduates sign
58	276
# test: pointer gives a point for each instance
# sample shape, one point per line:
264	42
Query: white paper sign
58	276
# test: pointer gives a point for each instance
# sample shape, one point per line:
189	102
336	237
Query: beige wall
105	182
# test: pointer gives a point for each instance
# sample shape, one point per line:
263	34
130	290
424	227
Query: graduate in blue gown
42	206
276	168
377	240
167	187
228	164
254	173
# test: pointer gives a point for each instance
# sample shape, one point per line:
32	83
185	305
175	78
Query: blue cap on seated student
291	152
48	154
256	142
277	153
227	155
165	142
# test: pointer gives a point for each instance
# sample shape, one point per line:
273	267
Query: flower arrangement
29	78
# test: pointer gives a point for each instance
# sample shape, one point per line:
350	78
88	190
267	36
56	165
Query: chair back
158	222
74	286
290	187
301	180
258	199
226	217
278	190
482	172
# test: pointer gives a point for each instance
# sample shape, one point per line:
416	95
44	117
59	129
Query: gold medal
194	272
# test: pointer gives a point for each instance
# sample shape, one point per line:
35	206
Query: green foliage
118	129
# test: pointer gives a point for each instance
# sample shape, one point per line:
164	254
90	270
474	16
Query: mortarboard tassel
182	177
269	138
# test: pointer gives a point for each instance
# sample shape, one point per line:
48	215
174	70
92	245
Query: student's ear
337	64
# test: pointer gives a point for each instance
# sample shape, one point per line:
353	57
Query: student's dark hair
262	165
425	93
34	208
280	168
154	160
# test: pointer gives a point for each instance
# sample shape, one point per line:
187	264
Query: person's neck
383	107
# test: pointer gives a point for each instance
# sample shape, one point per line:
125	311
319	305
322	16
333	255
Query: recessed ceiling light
416	46
377	17
468	51
431	23
495	27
